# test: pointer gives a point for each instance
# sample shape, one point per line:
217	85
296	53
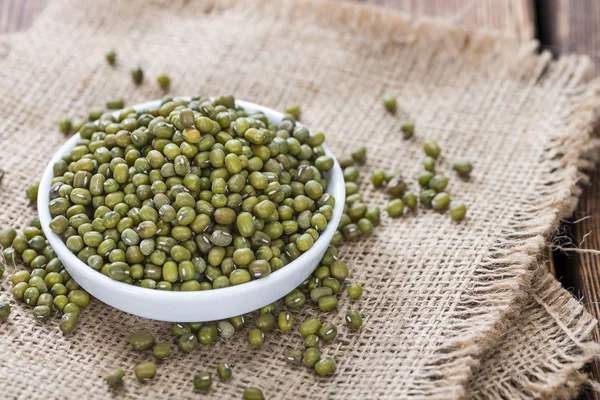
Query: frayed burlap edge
542	349
571	156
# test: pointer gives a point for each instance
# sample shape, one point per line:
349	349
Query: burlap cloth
451	310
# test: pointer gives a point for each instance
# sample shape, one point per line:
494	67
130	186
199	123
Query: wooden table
562	27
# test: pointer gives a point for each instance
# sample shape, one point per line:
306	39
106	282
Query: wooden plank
18	15
513	18
585	263
567	27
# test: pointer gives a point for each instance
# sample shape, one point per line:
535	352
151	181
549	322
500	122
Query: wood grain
585	264
18	15
513	18
573	27
569	27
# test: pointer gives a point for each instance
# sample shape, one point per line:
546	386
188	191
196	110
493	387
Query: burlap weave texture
437	294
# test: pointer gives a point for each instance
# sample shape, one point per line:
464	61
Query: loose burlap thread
451	310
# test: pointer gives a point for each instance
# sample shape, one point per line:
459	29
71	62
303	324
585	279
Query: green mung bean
328	303
114	379
429	164
373	214
325	366
427	196
440	201
294	110
32	192
431	148
111	57
137	74
7	236
226	329
224	371
355	291
203	381
295	299
207	333
438	183
142	340
319	292
162	350
256	337
389	102
187	342
395	208
145	370
285	321
253	393
359	155
65	125
293	356
68	323
408	129
378	178
462	167
312	341
410	200
309	327
115	103
458	211
328	332
265	322
311	356
353	319
164	81
4	310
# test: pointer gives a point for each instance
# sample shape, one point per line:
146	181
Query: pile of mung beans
200	194
46	287
191	195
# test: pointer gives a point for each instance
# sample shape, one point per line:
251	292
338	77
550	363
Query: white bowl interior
196	306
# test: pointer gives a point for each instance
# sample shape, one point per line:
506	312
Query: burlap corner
437	293
543	347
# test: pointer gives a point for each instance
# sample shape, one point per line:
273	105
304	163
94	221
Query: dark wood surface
562	26
567	27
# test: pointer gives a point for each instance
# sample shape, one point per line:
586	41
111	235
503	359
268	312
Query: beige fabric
542	349
437	294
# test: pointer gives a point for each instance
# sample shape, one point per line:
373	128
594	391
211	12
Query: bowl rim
254	287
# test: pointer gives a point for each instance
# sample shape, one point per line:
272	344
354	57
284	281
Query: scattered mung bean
458	211
114	379
253	393
137	74
111	57
224	371
202	381
408	129
325	366
164	81
145	370
389	102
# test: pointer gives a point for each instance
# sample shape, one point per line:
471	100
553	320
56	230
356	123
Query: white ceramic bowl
197	306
